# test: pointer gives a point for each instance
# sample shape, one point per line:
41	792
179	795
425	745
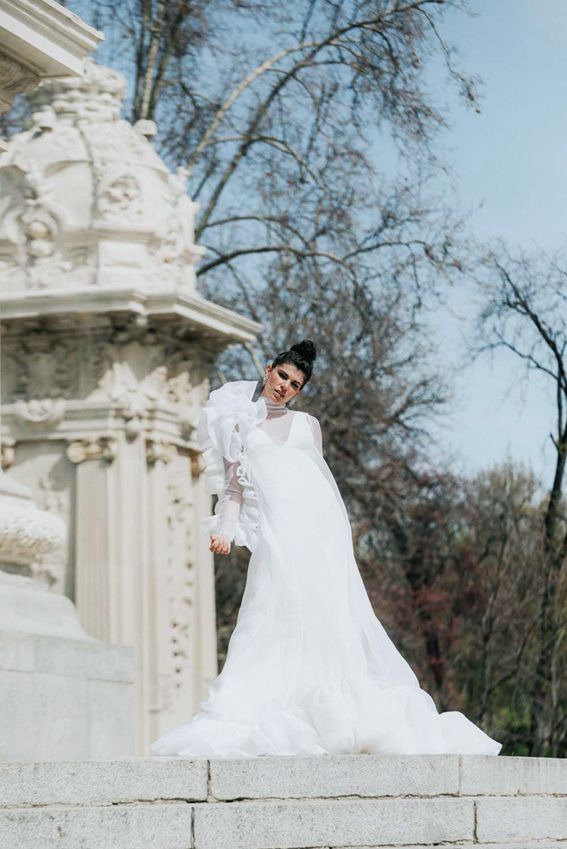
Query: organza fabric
277	425
309	668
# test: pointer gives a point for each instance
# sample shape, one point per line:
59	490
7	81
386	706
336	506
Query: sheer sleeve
227	417
230	502
317	435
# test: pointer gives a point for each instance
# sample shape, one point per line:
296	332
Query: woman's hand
219	544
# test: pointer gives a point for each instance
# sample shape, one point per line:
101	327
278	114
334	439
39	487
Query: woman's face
283	382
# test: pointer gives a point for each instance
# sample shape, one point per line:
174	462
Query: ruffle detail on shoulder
220	439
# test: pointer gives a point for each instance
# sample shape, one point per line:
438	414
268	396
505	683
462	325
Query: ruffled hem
218	439
354	715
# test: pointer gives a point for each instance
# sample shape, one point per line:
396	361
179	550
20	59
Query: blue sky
510	167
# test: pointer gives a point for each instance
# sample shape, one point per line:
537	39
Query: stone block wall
329	802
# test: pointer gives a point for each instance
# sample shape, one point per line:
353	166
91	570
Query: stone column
94	509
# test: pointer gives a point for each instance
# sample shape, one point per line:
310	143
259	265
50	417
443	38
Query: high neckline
273	408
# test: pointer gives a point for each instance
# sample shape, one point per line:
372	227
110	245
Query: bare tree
453	567
274	113
526	315
502	552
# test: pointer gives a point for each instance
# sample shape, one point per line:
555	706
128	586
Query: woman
309	668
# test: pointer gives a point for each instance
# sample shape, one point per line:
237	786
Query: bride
309	669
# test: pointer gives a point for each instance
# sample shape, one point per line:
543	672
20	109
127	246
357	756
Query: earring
264	379
290	403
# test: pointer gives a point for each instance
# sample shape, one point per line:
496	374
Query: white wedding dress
309	669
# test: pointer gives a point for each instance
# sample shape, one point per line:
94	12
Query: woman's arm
228	511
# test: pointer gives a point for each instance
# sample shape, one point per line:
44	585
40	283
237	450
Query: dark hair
301	355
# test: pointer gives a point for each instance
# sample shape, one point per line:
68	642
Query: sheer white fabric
277	426
309	668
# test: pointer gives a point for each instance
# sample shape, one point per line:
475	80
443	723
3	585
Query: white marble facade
106	350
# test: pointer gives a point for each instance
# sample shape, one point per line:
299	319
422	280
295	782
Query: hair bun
305	349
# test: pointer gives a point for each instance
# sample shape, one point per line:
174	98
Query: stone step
329	802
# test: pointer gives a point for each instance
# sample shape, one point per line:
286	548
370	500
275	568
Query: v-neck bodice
279	430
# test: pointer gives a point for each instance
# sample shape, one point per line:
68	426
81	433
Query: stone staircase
285	803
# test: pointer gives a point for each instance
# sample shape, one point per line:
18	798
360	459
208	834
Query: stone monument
107	348
56	681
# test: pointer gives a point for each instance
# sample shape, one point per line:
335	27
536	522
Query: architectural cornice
191	308
44	37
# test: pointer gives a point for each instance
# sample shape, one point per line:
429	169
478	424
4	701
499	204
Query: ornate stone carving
52	499
130	213
16	78
41	366
134	372
40	231
181	572
8	452
50	568
120	197
197	464
44	119
100	448
26	532
97	95
146	128
45	411
146	373
158	451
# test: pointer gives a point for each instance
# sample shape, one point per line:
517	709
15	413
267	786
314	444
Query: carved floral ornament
98	448
32	221
27	533
132	371
120	197
158	451
39	229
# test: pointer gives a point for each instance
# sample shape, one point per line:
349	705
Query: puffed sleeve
226	418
